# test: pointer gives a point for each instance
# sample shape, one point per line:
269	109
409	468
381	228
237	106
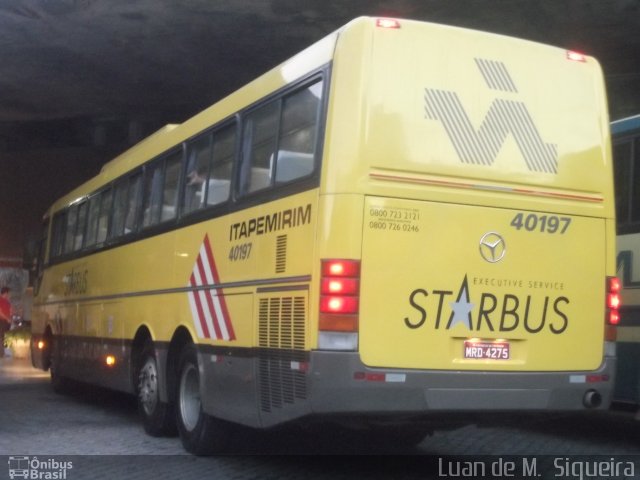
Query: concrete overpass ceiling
96	58
82	79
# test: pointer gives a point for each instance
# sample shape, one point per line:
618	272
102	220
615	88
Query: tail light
613	307
339	304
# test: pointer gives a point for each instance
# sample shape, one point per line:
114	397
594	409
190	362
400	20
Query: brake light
339	304
576	56
613	300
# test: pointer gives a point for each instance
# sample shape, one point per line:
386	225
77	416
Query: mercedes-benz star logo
492	247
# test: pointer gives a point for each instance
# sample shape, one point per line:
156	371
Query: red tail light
613	301
339	304
340	287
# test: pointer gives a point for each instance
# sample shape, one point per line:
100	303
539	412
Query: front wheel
157	417
200	433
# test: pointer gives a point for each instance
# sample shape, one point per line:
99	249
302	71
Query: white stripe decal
208	308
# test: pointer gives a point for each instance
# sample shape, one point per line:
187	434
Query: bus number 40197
542	223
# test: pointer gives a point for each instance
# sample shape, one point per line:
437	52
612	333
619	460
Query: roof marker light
576	56
387	23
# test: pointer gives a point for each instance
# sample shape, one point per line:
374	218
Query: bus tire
201	434
158	417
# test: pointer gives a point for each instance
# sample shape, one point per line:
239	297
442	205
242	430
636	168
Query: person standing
5	316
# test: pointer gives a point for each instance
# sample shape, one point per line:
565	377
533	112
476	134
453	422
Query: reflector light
41	345
338	323
387	23
576	56
110	360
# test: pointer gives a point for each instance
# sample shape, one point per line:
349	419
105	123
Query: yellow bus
403	220
626	157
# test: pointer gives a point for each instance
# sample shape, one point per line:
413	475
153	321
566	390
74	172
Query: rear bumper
341	383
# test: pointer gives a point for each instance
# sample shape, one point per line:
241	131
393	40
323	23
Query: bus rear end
466	259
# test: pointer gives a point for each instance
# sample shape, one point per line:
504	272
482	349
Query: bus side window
119	209
298	134
69	236
103	218
152	195
92	220
198	157
59	229
170	192
133	200
78	238
258	144
219	183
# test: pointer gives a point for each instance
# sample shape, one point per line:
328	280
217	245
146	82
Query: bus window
119	209
298	134
69	236
258	145
209	163
170	193
224	142
198	155
152	195
92	220
103	219
80	227
57	240
135	185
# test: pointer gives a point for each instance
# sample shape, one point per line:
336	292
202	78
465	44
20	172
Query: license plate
486	350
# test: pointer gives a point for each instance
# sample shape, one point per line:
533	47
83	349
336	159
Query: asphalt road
97	433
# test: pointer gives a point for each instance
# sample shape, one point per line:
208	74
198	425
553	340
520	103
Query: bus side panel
252	334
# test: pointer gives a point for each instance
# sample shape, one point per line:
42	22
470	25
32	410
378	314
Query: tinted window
258	145
199	154
279	140
69	236
133	200
209	166
152	195
80	227
298	134
119	208
92	220
171	183
103	219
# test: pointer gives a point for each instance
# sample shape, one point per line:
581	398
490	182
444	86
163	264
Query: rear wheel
157	417
200	433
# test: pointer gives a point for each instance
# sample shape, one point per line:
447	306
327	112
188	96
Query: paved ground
98	432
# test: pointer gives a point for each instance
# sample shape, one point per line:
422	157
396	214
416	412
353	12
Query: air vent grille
281	340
